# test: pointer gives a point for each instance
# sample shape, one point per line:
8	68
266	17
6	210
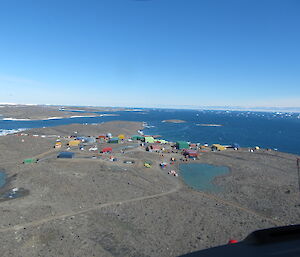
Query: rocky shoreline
95	207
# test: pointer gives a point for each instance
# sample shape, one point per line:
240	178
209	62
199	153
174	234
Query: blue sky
150	53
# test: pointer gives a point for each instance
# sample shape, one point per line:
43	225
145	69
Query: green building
182	145
30	160
137	137
149	140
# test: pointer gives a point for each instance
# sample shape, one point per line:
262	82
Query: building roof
65	155
74	142
107	149
162	141
182	144
114	140
137	137
149	140
218	146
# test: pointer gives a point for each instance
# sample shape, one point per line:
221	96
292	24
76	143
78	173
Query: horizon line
187	107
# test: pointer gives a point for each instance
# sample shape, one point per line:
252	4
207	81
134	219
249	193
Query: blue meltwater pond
200	176
2	179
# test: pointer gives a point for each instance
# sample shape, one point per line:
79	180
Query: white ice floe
8	104
18	105
54	118
4	132
13	119
78	116
108	114
209	125
71	110
133	110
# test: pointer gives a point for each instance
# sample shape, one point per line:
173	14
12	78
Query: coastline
116	198
59	118
224	134
44	112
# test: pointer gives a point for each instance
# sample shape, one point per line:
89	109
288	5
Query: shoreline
44	112
60	118
25	123
116	198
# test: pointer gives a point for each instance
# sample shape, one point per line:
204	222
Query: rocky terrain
94	207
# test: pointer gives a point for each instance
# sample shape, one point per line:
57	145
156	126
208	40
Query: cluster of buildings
152	143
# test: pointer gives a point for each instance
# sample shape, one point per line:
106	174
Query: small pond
200	176
2	179
10	193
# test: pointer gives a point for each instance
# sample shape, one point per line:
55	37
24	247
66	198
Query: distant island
174	121
209	125
49	112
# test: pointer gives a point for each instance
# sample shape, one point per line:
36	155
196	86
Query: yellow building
58	145
218	147
121	136
147	165
74	142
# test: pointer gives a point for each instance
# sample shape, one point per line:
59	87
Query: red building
107	150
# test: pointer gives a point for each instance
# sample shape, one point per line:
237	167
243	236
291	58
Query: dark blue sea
265	129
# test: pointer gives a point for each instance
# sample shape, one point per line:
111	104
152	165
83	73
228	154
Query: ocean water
265	129
200	176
